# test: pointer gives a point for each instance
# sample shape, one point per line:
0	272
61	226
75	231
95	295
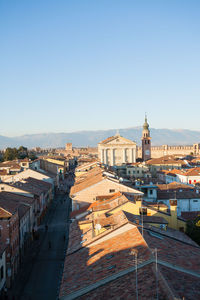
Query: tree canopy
193	229
20	153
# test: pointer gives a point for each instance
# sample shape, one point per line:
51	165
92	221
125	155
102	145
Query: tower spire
146	140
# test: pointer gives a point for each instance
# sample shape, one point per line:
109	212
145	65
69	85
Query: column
102	156
130	160
133	156
105	157
112	157
124	155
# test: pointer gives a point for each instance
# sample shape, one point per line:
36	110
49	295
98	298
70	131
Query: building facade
117	150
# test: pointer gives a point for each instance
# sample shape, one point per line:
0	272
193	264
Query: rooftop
104	264
89	181
166	160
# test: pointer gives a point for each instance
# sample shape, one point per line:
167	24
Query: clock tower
146	141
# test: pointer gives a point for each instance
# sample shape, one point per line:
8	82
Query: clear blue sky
99	64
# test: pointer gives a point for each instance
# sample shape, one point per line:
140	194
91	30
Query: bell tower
146	141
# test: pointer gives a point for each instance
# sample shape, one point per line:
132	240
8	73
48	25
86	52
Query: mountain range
91	138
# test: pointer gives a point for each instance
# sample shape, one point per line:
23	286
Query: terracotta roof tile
174	186
166	160
83	209
173	194
190	215
95	262
86	183
102	258
109	139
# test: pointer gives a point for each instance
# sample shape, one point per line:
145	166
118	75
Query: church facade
117	150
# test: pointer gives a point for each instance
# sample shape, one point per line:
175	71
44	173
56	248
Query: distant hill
91	138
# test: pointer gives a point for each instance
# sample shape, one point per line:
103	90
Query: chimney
138	202
173	211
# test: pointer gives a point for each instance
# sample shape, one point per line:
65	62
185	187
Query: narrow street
40	276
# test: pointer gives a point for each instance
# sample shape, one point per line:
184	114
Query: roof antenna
135	252
156	256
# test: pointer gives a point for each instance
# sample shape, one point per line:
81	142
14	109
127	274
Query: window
195	200
150	192
111	190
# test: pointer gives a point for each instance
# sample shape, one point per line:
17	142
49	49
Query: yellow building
124	202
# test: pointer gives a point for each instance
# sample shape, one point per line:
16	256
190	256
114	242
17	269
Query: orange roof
173	186
89	173
165	160
94	262
83	209
103	260
176	171
86	183
105	199
193	172
111	202
108	139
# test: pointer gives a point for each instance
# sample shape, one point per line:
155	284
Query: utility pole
135	252
136	276
156	255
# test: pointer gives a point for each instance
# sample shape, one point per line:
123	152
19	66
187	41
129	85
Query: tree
32	156
22	152
193	229
10	154
14	153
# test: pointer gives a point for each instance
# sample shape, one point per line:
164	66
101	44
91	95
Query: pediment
116	140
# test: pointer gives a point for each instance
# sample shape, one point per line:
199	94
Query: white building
30	173
117	150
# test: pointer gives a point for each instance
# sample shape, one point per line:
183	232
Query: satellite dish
98	226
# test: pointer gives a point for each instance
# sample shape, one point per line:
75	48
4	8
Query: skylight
154	234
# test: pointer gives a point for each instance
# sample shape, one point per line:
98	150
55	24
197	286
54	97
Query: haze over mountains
91	138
